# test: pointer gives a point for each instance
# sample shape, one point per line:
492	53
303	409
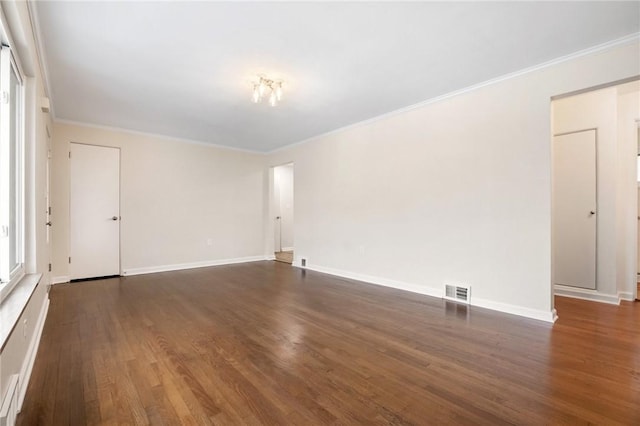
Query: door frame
49	224
120	270
633	195
271	210
634	292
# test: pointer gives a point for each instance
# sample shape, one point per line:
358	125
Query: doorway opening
595	189
283	210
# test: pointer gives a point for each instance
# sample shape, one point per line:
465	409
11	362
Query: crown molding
40	53
635	37
154	135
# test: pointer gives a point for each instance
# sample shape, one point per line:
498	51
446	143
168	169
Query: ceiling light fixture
274	87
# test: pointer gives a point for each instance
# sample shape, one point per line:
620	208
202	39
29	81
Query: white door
95	211
277	218
574	197
47	196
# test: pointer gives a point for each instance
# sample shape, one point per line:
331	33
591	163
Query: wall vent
9	408
458	293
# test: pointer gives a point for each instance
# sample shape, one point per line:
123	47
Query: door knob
114	218
48	223
592	213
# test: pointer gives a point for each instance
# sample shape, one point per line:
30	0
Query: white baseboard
436	292
30	358
550	316
585	294
60	279
270	257
287	249
192	265
626	295
428	291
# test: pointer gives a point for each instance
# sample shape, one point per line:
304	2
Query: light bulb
261	87
256	94
279	91
272	99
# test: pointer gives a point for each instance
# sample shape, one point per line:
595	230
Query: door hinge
69	154
69	259
49	267
49	210
5	97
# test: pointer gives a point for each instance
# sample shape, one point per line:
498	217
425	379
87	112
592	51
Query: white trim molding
60	280
626	295
586	294
192	265
400	285
30	358
550	316
631	38
153	135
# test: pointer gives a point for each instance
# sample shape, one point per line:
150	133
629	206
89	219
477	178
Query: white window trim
9	279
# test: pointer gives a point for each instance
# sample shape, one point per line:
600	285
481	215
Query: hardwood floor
265	343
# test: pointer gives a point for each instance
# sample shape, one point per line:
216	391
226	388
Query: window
11	173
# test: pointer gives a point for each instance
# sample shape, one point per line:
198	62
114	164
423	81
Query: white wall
176	198
283	183
457	190
16	354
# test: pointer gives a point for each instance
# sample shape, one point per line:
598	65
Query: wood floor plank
265	343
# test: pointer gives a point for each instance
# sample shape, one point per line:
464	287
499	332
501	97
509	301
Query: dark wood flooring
265	343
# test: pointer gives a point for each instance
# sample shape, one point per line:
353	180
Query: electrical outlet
303	262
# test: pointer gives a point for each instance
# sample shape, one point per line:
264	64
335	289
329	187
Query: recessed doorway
283	210
594	193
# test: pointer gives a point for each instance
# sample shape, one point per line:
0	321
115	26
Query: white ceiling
183	69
